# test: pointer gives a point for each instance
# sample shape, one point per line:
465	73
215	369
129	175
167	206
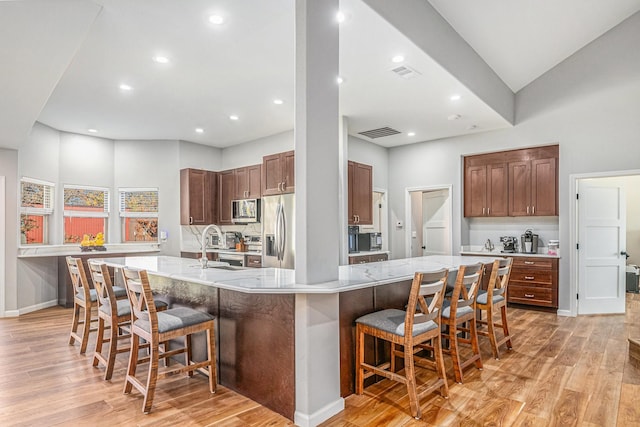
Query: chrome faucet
203	242
489	246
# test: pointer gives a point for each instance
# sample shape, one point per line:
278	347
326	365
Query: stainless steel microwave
245	211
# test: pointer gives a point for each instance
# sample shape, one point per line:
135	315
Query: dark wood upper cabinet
512	183
248	182
226	194
360	188
278	173
485	186
197	197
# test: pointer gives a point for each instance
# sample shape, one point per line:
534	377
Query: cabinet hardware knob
527	210
529	262
488	211
529	295
483	209
529	278
534	210
190	220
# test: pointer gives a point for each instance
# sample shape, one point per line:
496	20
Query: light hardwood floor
562	371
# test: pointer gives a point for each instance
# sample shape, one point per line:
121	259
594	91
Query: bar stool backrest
499	278
79	278
467	285
425	298
140	296
103	286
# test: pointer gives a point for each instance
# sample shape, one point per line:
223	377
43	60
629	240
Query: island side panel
257	348
354	304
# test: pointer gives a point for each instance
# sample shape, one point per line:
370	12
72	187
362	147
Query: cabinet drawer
528	263
529	295
531	276
254	261
380	257
359	259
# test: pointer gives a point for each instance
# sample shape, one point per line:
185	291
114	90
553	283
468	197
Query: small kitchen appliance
509	244
353	232
529	242
370	242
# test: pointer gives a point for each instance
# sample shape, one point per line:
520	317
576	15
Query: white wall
251	153
9	169
362	151
588	104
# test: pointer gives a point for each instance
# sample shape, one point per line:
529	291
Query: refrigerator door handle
283	233
277	232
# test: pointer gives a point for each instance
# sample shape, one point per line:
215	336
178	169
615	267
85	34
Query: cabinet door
497	190
271	174
227	191
241	189
288	172
475	191
350	172
543	187
254	181
195	197
520	188
362	194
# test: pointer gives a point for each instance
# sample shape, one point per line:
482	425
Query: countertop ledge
498	253
282	281
366	253
65	250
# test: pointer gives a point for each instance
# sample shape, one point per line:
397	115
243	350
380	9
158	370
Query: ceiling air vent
379	133
405	71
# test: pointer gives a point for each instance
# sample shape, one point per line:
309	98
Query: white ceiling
239	67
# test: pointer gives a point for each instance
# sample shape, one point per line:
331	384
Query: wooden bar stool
156	327
493	299
84	298
114	315
418	325
460	310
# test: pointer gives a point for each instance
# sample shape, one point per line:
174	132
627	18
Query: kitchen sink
219	267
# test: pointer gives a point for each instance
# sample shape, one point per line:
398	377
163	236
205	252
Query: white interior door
602	245
436	223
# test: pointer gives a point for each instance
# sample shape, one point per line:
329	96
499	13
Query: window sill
74	249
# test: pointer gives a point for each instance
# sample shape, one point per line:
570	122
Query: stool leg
410	377
113	351
505	327
74	323
86	329
474	342
359	360
455	355
99	342
133	362
152	378
492	334
211	345
440	369
187	354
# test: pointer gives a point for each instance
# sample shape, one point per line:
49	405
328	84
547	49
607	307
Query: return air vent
379	133
405	72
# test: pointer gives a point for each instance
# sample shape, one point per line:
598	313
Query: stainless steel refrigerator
278	231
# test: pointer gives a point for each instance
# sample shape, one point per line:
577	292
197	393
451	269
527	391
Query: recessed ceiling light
397	59
125	87
339	80
278	101
233	117
340	17
216	19
199	130
455	97
411	134
92	130
454	117
161	59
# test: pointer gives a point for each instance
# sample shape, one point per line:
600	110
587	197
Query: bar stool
113	315
459	310
84	298
419	324
156	327
493	299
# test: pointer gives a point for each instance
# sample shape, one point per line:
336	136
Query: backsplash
190	234
481	229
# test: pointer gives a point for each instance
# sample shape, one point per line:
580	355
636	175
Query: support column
317	235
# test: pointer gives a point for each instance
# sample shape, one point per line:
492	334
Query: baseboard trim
321	415
566	313
37	307
11	313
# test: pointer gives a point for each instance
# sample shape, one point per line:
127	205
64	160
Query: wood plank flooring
563	371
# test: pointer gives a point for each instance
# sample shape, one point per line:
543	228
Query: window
86	210
36	205
139	212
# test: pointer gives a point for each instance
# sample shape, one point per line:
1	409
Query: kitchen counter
282	281
74	250
481	251
225	251
365	253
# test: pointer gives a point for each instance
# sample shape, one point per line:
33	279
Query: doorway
607	227
429	230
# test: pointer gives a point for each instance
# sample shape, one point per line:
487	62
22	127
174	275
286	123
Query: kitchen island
264	319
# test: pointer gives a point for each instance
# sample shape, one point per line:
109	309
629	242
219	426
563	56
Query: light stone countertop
41	251
481	251
282	281
366	253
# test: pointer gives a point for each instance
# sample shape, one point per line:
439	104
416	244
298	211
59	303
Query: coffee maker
529	242
509	244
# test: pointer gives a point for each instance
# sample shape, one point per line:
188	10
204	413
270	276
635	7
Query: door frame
573	229
407	213
3	232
